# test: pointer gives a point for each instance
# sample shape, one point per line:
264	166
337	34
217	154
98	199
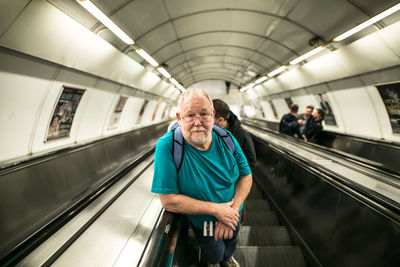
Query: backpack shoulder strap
173	126
178	144
177	147
226	138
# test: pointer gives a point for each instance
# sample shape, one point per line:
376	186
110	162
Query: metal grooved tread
262	240
276	256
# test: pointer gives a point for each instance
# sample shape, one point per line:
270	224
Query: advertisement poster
323	101
155	110
390	94
257	107
63	115
273	109
117	112
139	119
166	108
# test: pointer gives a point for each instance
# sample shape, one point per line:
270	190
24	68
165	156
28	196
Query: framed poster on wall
117	112
325	105
390	94
141	112
273	109
64	113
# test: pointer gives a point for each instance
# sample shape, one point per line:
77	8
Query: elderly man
212	182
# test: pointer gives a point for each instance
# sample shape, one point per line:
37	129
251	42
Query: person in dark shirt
226	119
313	131
305	120
289	124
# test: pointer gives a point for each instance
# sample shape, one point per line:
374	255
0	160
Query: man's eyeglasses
204	117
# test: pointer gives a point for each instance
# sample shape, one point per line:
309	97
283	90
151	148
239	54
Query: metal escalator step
264	236
260	218
277	256
257	204
255	193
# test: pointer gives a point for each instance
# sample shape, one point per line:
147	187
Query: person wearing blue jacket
289	124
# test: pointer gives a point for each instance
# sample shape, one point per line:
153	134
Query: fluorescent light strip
172	80
146	57
262	79
164	72
181	88
367	23
278	70
98	14
307	55
251	85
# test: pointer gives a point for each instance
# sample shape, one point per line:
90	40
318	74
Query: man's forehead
196	102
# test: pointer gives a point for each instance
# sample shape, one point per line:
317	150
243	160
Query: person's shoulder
166	139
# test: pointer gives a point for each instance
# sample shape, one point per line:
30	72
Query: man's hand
227	215
222	231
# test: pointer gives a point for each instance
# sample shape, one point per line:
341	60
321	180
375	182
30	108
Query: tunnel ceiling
228	40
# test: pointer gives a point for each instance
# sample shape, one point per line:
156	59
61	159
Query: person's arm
243	186
184	204
242	189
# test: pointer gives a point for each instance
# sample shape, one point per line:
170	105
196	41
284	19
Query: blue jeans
216	251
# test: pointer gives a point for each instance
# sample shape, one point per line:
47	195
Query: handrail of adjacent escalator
372	199
23	162
373	165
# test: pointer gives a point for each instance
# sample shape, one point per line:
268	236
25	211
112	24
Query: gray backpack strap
226	138
177	147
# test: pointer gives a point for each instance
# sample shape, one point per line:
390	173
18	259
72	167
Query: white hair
194	92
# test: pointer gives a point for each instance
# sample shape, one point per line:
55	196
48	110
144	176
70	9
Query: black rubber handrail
44	156
160	247
373	165
390	144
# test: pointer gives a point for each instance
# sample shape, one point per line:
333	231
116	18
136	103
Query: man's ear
179	118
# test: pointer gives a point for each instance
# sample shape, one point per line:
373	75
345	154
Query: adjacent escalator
263	240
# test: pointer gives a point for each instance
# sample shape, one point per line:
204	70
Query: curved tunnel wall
31	88
43	50
349	76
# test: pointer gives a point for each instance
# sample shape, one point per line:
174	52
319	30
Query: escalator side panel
337	228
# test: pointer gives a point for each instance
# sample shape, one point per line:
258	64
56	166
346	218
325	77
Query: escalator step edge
264	256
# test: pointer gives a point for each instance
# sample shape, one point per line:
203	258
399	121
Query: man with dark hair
306	120
226	119
289	124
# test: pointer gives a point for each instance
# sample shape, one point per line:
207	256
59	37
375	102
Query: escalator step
264	236
257	204
278	256
255	192
260	218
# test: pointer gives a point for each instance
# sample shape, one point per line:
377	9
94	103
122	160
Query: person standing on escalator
212	182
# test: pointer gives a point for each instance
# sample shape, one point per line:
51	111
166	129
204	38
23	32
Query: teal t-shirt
205	175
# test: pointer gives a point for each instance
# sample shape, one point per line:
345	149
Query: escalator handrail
373	165
391	144
23	162
157	249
